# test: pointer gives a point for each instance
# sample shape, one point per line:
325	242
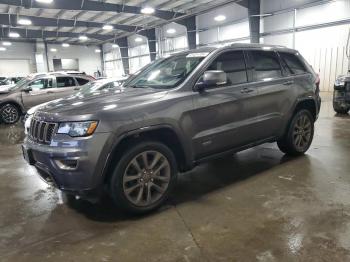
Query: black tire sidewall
116	182
290	140
13	106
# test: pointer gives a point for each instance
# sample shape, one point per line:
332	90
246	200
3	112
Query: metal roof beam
89	5
44	21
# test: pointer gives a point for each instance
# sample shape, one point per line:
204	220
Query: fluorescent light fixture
83	37
45	1
171	31
65	45
138	39
97	50
262	15
220	18
147	10
6	43
53	50
115	46
14	35
24	21
107	27
2	48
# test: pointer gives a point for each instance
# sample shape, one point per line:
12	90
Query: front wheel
299	135
143	177
10	114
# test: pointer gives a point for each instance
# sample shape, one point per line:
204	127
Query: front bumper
341	98
89	154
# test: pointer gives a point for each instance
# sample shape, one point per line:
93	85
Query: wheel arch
163	133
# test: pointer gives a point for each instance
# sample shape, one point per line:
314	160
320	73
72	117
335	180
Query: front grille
41	131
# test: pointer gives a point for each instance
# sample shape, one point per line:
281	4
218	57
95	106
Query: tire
10	114
299	135
138	188
341	111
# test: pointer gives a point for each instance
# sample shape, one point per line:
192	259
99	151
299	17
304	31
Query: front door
224	116
38	91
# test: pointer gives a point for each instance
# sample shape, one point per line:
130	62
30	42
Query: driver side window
233	64
41	84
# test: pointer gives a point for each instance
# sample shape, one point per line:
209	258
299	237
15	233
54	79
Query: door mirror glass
211	78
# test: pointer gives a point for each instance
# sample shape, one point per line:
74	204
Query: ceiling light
53	50
24	21
97	50
220	18
107	27
171	31
14	34
6	43
83	37
45	1
2	48
115	46
65	45
147	10
262	15
138	39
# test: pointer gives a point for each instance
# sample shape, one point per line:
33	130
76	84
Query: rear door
66	85
224	116
273	99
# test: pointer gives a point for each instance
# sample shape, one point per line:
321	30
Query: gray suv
35	90
175	114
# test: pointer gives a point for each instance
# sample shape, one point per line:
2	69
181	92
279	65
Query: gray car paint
206	123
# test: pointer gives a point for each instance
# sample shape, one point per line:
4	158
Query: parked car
175	114
10	80
34	90
341	94
89	89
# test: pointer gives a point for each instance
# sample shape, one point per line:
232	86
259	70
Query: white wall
89	60
19	52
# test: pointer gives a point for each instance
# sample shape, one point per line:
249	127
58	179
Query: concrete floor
256	206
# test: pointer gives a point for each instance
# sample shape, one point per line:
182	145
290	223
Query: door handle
49	92
288	83
246	90
76	88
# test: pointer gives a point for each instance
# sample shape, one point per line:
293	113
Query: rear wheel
143	177
299	135
9	114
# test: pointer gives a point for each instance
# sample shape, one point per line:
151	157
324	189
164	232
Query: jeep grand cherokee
175	114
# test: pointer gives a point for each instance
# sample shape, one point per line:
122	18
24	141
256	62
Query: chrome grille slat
42	131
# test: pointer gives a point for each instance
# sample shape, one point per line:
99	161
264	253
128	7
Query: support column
191	27
123	45
151	36
254	20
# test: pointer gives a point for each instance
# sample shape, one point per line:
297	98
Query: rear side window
82	81
65	81
293	63
266	65
233	64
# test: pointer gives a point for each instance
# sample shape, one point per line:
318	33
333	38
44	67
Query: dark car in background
10	80
37	89
341	94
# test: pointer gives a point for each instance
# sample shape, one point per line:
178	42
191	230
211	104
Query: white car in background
91	88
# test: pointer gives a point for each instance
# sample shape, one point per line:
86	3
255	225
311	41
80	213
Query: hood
6	88
104	100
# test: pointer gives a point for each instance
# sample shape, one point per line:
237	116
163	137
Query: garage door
14	67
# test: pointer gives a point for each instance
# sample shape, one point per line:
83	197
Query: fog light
69	164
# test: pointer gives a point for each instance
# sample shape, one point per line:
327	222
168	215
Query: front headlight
77	129
340	81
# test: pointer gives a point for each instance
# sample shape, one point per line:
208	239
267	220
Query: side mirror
211	78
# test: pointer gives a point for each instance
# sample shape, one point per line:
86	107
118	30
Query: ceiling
65	20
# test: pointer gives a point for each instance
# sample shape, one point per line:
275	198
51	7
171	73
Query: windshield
167	73
99	85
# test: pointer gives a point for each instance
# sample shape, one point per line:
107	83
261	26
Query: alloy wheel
9	114
302	132
146	178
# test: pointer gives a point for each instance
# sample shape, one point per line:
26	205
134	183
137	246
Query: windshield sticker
198	54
